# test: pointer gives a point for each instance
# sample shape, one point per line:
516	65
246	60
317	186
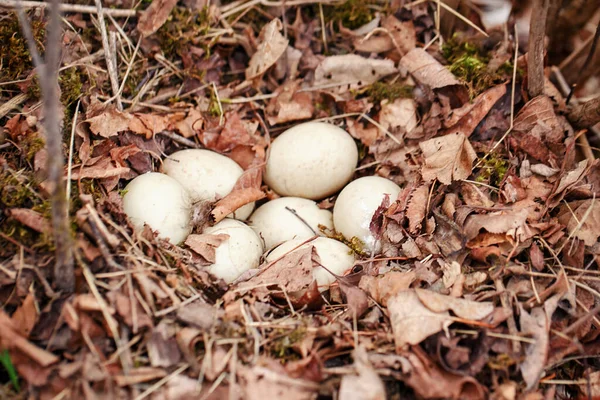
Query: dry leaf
511	222
415	212
465	119
205	245
412	322
427	69
289	104
401	115
109	122
394	35
26	315
429	381
584	222
246	190
272	46
355	298
292	273
351	71
535	325
31	219
381	288
367	385
463	308
447	158
153	17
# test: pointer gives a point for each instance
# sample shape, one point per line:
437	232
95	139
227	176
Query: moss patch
380	91
352	14
493	170
15	58
470	64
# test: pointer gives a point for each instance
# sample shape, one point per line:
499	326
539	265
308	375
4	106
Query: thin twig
108	55
74	8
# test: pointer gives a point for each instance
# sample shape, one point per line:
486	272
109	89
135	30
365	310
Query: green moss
182	29
380	91
470	64
15	190
15	58
493	170
31	144
282	347
351	13
71	86
355	244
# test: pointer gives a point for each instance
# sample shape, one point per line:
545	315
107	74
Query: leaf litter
487	284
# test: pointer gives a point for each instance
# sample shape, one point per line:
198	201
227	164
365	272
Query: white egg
239	253
356	205
311	160
275	221
335	256
206	175
161	202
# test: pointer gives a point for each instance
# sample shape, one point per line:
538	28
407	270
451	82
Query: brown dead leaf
430	381
384	287
447	158
10	338
31	219
109	122
351	71
289	104
272	46
427	69
411	321
355	298
366	385
465	119
399	115
260	383
536	325
511	222
205	245
415	212
394	35
584	222
26	315
148	125
246	190
162	346
463	308
153	17
292	273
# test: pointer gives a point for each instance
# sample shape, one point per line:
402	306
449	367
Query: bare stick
64	277
586	114
76	8
108	55
535	55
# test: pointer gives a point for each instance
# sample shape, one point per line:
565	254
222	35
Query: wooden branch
74	8
535	55
64	277
586	114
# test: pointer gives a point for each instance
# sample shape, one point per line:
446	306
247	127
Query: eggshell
356	204
276	224
335	256
239	253
311	160
161	202
206	175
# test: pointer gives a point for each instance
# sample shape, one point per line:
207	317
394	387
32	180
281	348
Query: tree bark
586	114
535	55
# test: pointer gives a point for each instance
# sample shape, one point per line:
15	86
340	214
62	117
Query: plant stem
535	55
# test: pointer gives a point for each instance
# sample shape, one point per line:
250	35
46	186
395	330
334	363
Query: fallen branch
64	277
75	8
586	114
535	55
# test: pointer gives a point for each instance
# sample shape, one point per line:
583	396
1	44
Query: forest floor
488	281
